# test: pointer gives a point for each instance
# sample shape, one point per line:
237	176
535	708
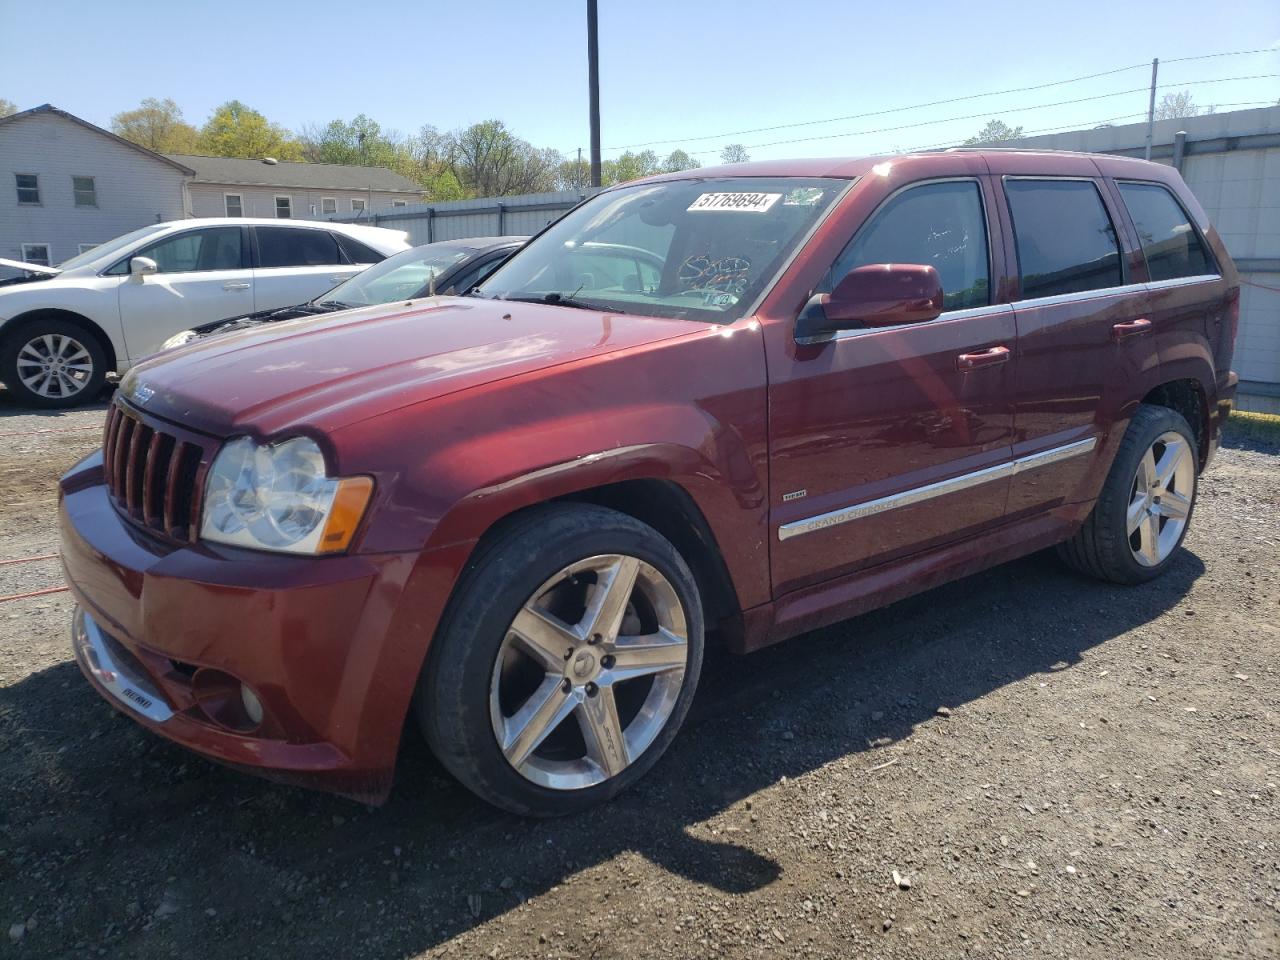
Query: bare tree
734	153
488	160
1176	106
7	107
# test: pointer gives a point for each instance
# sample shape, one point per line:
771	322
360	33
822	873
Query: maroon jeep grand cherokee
750	400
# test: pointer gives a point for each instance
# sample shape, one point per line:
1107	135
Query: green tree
996	131
678	160
488	160
629	166
236	130
156	125
7	107
734	153
361	142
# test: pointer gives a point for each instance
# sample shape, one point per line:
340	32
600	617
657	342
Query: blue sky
689	74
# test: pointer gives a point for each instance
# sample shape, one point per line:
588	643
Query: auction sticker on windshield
742	202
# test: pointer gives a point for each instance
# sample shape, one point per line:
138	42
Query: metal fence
482	217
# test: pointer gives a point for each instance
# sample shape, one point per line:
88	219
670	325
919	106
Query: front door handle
983	358
1130	328
236	285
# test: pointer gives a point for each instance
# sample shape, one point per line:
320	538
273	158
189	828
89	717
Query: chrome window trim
929	491
993	309
1183	281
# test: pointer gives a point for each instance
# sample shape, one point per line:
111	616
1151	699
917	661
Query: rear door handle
983	358
1130	328
236	285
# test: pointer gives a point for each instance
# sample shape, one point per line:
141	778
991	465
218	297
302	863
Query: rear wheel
566	662
53	363
1145	507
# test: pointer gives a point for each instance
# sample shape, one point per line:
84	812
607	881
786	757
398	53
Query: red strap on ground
1260	286
33	593
43	556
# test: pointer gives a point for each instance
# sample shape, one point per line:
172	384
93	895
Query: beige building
229	187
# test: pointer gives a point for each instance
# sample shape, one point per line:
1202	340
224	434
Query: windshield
110	247
406	275
701	249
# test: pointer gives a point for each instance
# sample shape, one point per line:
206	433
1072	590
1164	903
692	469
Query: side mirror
877	295
142	266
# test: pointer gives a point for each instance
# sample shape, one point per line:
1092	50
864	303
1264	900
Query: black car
449	266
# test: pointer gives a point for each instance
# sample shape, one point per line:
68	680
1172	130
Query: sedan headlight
178	339
277	497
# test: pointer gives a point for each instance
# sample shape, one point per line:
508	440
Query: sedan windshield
111	246
702	249
402	277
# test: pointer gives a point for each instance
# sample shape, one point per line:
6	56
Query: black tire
452	702
90	386
1101	548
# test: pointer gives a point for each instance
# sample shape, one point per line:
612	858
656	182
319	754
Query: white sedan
63	328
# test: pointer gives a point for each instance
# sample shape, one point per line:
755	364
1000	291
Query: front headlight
178	339
277	497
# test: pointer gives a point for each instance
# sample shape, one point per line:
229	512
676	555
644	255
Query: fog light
252	705
226	701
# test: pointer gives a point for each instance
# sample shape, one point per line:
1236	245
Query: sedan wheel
589	672
1160	502
54	366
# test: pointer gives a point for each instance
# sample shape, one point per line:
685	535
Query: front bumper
325	644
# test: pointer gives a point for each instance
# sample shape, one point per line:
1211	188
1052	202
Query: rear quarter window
357	252
1065	239
1170	243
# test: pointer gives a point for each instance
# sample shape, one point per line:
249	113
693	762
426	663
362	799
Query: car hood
331	371
30	267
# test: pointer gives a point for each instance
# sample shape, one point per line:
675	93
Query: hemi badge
794	495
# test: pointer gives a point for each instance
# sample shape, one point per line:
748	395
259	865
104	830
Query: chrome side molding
939	489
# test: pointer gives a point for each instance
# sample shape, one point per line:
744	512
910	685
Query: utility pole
1151	107
593	78
577	176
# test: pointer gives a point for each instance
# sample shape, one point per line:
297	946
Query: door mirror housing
876	295
142	266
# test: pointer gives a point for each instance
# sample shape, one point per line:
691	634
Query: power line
992	113
932	103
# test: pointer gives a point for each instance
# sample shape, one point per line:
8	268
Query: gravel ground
1021	764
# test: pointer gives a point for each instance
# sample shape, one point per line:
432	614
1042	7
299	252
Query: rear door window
1065	239
293	247
936	224
1170	243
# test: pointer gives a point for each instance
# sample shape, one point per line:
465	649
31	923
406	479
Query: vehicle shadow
306	872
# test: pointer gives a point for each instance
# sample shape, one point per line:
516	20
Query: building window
85	247
399	203
357	206
28	188
328	204
284	207
37	253
85	191
235	204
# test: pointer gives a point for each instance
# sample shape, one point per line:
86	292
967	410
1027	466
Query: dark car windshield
701	249
408	274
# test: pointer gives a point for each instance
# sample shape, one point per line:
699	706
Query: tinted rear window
1066	242
356	251
289	247
1169	242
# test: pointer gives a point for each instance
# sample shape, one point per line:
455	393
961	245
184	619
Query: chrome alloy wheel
604	642
1160	503
54	365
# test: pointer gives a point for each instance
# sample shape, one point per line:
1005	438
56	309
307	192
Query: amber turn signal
349	504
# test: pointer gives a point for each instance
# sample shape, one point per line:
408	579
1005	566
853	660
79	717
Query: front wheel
1144	510
53	363
566	661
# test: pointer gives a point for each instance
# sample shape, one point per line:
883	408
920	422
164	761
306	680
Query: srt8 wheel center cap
583	666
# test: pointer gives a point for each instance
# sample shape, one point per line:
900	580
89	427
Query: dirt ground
1103	785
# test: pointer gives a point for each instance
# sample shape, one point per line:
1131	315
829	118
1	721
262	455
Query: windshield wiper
560	300
335	305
